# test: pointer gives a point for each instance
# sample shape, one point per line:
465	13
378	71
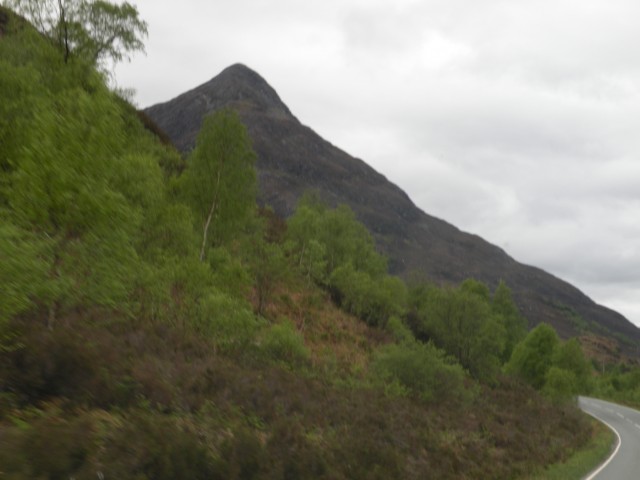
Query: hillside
137	344
292	159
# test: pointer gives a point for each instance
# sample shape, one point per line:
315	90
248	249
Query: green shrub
560	384
421	368
283	343
532	358
373	299
228	320
400	331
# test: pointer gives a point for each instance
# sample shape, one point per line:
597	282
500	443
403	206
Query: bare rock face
292	159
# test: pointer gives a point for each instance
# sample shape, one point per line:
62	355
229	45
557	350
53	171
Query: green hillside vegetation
619	383
156	323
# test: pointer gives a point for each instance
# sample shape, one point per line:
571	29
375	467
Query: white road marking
615	452
619	414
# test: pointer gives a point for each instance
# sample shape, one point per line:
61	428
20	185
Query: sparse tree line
442	331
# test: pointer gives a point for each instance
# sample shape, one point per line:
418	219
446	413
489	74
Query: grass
583	461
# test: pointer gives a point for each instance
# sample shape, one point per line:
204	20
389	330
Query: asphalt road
624	463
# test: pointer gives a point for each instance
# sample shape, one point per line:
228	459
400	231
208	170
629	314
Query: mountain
292	159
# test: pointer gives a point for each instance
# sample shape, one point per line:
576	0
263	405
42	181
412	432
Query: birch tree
221	178
97	31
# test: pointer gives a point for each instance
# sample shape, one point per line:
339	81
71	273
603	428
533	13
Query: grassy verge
583	461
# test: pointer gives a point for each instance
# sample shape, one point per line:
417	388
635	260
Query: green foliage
220	179
355	289
560	384
24	264
619	384
63	183
332	248
93	31
183	284
268	266
515	324
113	31
421	369
559	369
330	238
283	343
533	357
400	331
313	260
96	234
373	300
167	231
461	322
569	356
228	321
476	288
229	273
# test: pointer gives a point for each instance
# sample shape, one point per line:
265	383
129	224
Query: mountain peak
241	70
237	86
242	87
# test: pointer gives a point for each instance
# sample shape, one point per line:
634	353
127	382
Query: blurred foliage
135	343
93	31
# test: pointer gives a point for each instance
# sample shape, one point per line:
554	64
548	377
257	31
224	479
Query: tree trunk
212	211
65	31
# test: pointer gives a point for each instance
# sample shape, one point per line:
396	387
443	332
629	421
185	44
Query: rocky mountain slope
292	159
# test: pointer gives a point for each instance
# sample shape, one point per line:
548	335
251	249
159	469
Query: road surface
624	463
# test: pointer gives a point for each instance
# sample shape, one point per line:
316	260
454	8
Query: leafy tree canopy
97	31
514	323
220	180
533	357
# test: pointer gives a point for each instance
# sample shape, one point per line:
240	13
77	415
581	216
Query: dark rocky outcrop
292	159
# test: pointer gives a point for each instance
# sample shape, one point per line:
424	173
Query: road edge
593	474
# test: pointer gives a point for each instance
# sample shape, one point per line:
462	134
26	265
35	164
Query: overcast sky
518	120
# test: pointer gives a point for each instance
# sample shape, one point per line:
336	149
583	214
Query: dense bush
421	369
283	343
228	321
467	323
557	368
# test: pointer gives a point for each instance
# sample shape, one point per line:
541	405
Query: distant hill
292	159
